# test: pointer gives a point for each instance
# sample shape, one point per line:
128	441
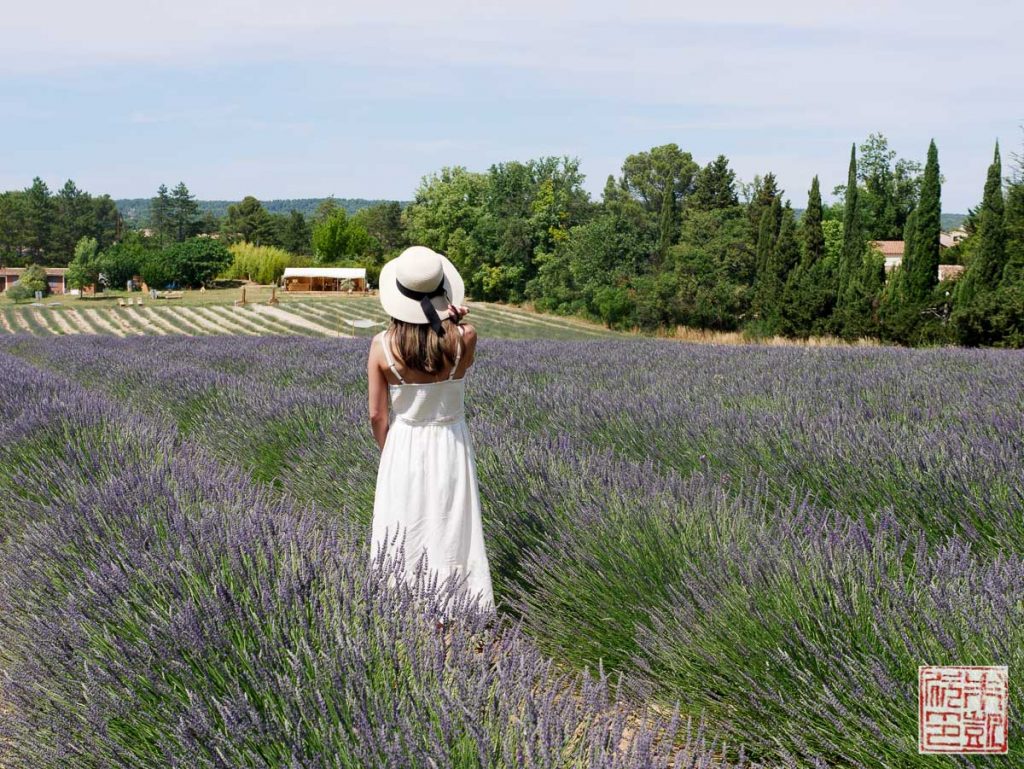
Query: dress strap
458	353
391	360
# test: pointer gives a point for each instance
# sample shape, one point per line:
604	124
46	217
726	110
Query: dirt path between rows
295	320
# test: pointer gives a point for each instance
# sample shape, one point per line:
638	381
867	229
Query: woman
426	483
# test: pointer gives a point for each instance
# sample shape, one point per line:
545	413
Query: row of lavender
158	609
777	537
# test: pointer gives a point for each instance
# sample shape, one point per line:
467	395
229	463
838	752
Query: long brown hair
420	348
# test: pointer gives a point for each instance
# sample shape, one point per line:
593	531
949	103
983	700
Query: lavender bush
159	609
772	537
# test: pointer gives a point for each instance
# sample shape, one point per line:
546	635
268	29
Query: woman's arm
378	394
469	338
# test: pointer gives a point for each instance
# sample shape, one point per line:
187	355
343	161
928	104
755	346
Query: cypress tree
766	286
787	247
765	192
668	226
785	258
805	295
921	261
854	240
985	271
1013	272
768	232
813	234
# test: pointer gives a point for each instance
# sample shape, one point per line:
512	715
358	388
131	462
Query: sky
311	98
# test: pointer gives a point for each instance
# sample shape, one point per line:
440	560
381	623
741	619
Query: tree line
670	242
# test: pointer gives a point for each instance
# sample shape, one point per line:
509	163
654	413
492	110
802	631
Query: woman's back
436	402
439	399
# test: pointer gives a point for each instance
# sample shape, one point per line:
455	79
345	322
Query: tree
193	262
667	225
161	214
123	260
75	218
84	269
890	189
762	197
296	236
248	222
783	254
715	186
31	280
714	267
921	261
208	224
109	225
383	222
183	213
339	238
767	233
809	293
813	234
647	176
159	268
324	210
854	240
13	227
984	273
1013	272
39	216
987	288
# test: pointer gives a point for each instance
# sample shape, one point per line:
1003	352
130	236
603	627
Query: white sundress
427	485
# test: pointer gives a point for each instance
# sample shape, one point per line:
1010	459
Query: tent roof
343	273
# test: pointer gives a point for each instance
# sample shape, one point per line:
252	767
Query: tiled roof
19	270
889	247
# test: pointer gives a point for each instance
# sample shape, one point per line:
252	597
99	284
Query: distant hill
952	221
136	210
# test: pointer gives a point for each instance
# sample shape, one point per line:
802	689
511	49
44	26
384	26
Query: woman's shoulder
468	332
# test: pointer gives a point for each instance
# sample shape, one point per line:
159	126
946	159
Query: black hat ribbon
424	298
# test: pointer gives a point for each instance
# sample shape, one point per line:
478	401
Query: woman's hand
457	312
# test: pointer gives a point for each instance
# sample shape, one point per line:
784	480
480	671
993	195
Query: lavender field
703	556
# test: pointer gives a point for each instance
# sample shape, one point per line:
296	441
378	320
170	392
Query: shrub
263	264
19	292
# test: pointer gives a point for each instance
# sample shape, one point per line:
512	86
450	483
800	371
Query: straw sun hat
418	285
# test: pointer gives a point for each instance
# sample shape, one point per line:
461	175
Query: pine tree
985	271
921	262
183	212
76	218
160	213
40	212
715	187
